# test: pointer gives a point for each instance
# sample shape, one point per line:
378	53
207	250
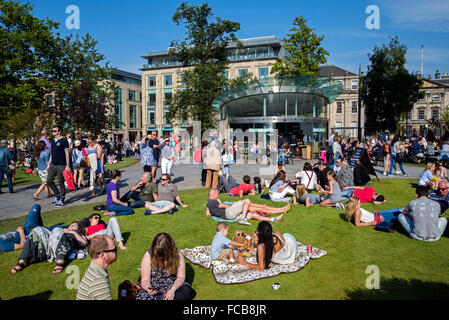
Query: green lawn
409	269
22	179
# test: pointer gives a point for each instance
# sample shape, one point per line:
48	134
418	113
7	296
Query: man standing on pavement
95	283
5	156
59	161
154	144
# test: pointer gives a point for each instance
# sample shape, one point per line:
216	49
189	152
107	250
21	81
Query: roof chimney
437	74
430	76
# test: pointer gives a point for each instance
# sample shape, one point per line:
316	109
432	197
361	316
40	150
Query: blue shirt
58	151
42	162
275	187
425	176
218	243
4	152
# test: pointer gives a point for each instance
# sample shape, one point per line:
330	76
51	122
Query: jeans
227	184
393	162
112	230
337	155
120	210
4	170
137	203
408	225
346	194
53	172
391	215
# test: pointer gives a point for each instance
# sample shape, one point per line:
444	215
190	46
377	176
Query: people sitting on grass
163	272
279	188
166	198
345	175
441	195
271	247
332	197
427	175
220	248
321	169
14	239
440	171
144	191
280	167
304	197
361	217
307	177
114	205
97	227
56	245
259	184
365	194
242	210
421	217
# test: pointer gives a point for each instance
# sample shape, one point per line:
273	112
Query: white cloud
430	15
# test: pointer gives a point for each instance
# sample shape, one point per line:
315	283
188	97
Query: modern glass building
288	104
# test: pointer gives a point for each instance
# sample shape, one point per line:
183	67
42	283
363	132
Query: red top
365	194
94	229
246	187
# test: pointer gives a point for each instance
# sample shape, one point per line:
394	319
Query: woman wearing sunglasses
96	227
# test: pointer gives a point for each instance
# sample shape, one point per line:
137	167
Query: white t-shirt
308	178
366	216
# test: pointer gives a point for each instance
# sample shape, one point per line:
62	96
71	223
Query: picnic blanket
237	273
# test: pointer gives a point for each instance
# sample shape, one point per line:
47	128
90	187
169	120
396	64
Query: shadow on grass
178	179
125	236
38	296
402	289
190	274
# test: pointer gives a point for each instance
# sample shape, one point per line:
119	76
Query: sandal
36	197
58	269
19	267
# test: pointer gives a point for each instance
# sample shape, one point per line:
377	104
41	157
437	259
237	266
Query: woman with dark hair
114	206
333	196
56	245
307	177
259	184
42	157
96	227
279	187
271	247
163	272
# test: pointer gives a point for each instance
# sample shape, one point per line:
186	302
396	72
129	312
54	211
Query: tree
304	53
388	89
203	53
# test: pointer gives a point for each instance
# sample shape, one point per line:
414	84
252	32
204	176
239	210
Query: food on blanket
248	242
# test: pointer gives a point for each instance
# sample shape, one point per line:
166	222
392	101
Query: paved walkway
186	176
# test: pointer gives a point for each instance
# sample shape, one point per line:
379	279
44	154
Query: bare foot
286	208
121	245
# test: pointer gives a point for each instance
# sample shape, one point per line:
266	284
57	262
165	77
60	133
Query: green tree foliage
203	53
388	89
304	53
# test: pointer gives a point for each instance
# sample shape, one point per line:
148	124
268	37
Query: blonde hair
344	164
429	166
300	191
350	208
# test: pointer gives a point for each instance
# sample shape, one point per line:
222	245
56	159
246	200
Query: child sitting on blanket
220	249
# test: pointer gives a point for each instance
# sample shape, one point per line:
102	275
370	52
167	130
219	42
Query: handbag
228	159
85	163
128	290
401	157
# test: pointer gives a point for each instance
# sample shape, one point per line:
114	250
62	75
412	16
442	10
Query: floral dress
160	281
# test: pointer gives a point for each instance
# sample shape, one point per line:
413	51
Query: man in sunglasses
95	283
59	161
166	198
154	144
441	196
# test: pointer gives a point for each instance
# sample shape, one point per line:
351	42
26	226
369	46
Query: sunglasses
54	130
164	179
111	250
442	189
96	217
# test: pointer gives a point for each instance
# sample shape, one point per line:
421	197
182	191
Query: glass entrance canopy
292	96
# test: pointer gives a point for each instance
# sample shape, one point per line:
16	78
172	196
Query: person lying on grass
365	194
96	227
332	197
271	247
56	245
14	239
243	210
361	217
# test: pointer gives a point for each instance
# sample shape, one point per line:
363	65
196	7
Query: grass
22	178
409	269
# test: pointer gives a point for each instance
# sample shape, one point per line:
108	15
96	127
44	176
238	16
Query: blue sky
126	30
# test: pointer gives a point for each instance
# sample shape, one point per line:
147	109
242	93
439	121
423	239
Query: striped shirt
95	284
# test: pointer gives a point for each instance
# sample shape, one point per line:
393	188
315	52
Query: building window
355	106
339	107
409	115
131	95
151	116
165	115
436	97
132	116
263	73
354	85
242	72
435	114
421	114
151	99
151	81
226	74
338	124
168	80
167	98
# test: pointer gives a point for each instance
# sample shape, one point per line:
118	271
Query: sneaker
398	173
73	255
406	175
170	211
147	212
54	202
340	206
278	219
385	173
59	204
230	194
80	254
244	221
